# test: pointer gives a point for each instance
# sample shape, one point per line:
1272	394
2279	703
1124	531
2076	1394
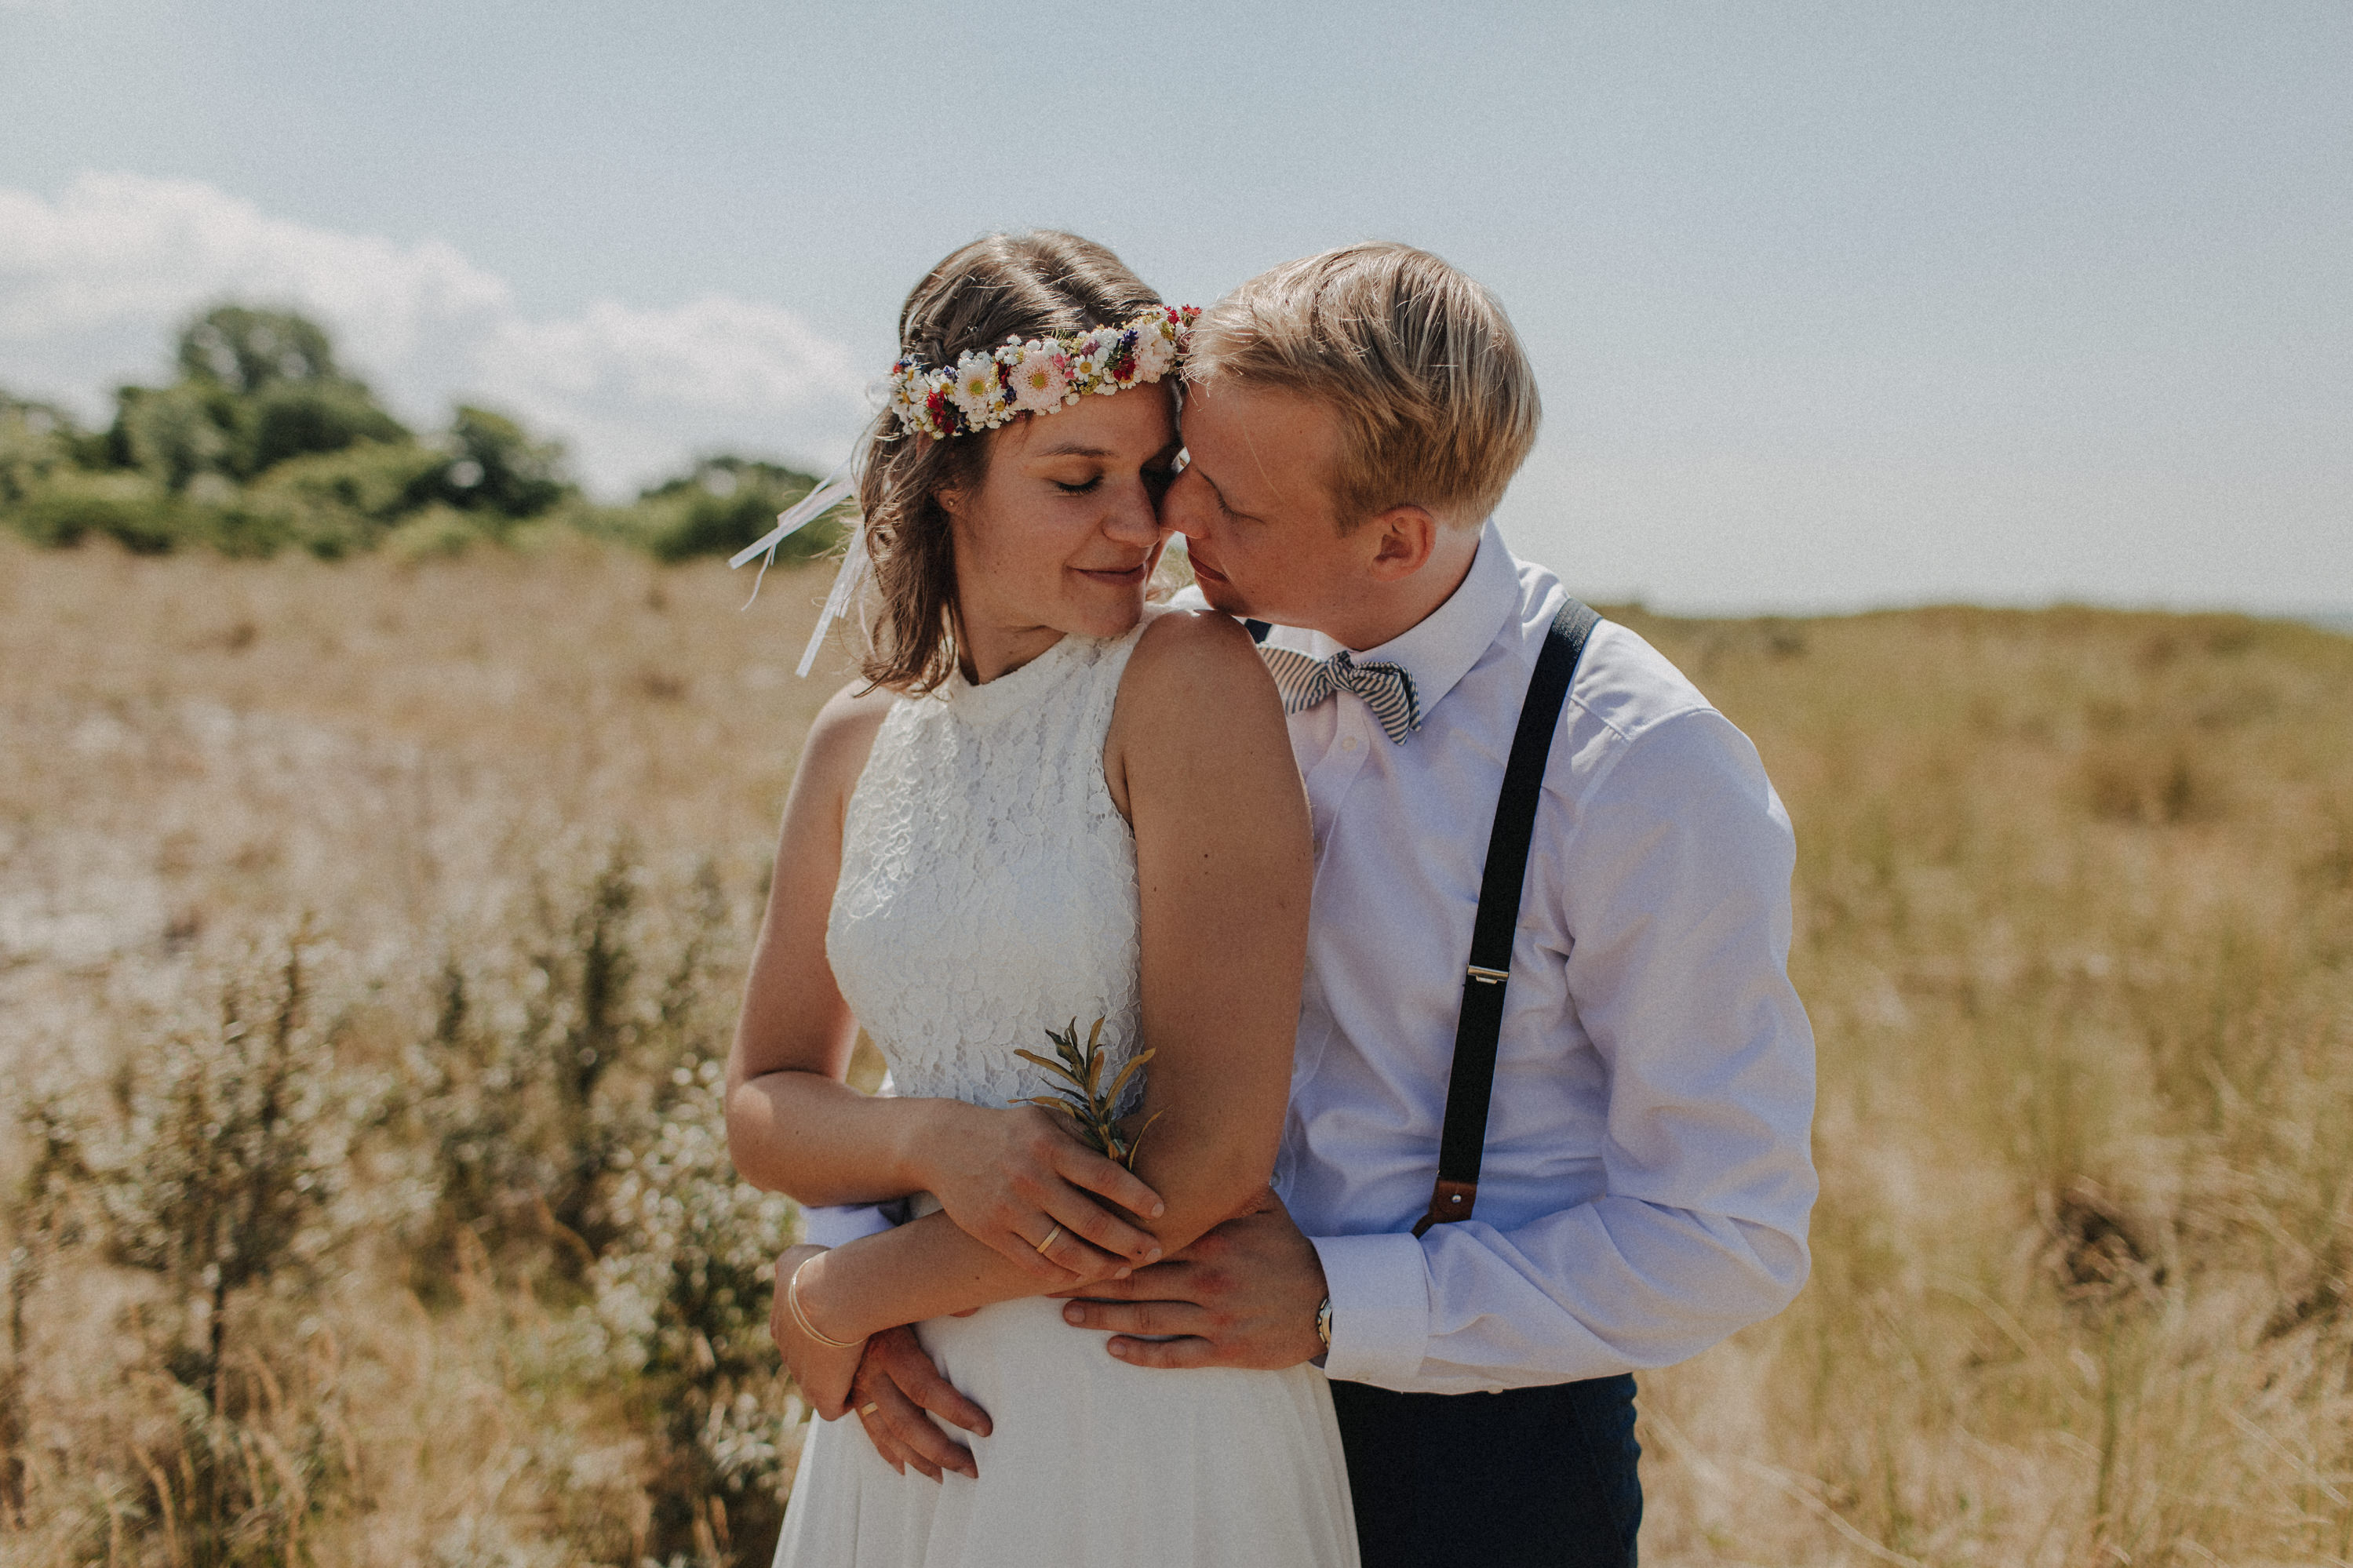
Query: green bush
549	1123
172	434
290	421
682	1289
126	507
724	504
36	439
257	523
497	468
255	389
263	443
245	349
441	531
223	1168
377	481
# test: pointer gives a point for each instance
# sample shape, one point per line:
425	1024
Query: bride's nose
1133	520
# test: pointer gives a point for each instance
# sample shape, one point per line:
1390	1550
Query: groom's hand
1245	1294
896	1384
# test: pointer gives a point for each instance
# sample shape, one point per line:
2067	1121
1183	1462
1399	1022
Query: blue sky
1833	304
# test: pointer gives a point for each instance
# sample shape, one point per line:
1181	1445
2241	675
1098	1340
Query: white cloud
118	248
92	284
634	388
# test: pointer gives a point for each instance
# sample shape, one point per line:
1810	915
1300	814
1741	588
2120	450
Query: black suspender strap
1481	1024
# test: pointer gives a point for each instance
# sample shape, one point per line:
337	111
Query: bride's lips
1121	577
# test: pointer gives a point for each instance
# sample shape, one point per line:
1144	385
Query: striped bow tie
1387	689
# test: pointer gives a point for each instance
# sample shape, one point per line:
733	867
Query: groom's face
1254	503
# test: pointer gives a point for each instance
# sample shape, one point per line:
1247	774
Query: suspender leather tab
1487	976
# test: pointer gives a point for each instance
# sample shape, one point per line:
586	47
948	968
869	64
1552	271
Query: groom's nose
1181	507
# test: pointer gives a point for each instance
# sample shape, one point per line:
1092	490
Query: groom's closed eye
1215	493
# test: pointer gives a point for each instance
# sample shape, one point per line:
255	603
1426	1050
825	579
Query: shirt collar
1440	649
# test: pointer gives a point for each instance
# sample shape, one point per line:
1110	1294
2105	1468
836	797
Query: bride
1046	802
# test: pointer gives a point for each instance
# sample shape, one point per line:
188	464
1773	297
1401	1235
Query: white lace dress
988	893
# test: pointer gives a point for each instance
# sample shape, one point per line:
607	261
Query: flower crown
991	387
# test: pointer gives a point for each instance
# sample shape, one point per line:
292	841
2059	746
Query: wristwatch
1323	1323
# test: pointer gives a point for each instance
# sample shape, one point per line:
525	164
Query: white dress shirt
1647	1176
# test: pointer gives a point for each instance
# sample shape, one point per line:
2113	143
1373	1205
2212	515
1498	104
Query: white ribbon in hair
836	488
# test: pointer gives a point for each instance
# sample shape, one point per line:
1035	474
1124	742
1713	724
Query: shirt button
1349	744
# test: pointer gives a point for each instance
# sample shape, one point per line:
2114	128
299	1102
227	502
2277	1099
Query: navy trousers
1530	1477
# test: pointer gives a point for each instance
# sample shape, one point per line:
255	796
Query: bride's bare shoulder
1196	696
1190	656
843	734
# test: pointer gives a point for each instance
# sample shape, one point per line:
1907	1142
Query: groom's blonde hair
1436	404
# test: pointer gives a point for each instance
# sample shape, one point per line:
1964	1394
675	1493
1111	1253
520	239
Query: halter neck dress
987	893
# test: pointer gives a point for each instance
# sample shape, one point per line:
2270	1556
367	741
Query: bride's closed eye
1080	490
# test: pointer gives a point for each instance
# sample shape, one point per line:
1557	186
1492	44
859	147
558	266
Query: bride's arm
794	1126
1199	758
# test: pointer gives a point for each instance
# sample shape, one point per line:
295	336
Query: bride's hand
823	1372
1018	1177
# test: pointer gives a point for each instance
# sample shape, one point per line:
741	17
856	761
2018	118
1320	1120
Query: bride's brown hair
1006	286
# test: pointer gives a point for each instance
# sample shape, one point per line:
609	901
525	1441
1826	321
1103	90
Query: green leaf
1136	1142
1053	1067
1119	1083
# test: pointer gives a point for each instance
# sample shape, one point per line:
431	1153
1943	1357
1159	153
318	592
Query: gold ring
1048	1241
870	1407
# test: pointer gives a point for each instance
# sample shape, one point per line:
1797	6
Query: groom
1641	1177
1352	421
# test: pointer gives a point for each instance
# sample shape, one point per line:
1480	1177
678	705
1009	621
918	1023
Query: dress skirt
1092	1462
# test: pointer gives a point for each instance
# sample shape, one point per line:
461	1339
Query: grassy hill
392	911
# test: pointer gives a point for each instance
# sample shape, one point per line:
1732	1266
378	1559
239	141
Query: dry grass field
367	932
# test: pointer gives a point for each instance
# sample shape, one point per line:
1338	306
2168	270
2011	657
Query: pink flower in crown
1040	378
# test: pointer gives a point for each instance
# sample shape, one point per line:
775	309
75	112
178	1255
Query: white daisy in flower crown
1155	347
977	390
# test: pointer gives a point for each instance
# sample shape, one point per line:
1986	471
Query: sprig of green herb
1083	1098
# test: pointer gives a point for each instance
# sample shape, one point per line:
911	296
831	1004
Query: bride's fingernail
1119	1349
1074	1314
1122	1273
1157	1210
1151	1254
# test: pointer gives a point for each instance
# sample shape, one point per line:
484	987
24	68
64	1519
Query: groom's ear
1402	539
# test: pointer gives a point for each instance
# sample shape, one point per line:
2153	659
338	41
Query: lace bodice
988	887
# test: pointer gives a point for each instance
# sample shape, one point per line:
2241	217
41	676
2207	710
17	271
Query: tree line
260	441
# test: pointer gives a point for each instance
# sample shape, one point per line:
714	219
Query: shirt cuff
1380	1307
839	1226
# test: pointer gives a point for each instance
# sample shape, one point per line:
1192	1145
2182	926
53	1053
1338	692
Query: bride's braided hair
1018	286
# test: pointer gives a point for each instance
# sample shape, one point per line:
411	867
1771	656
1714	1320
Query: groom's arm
1676	881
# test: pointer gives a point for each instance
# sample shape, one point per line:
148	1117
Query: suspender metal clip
1488	976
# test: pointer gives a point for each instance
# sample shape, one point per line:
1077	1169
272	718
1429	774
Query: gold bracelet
800	1316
